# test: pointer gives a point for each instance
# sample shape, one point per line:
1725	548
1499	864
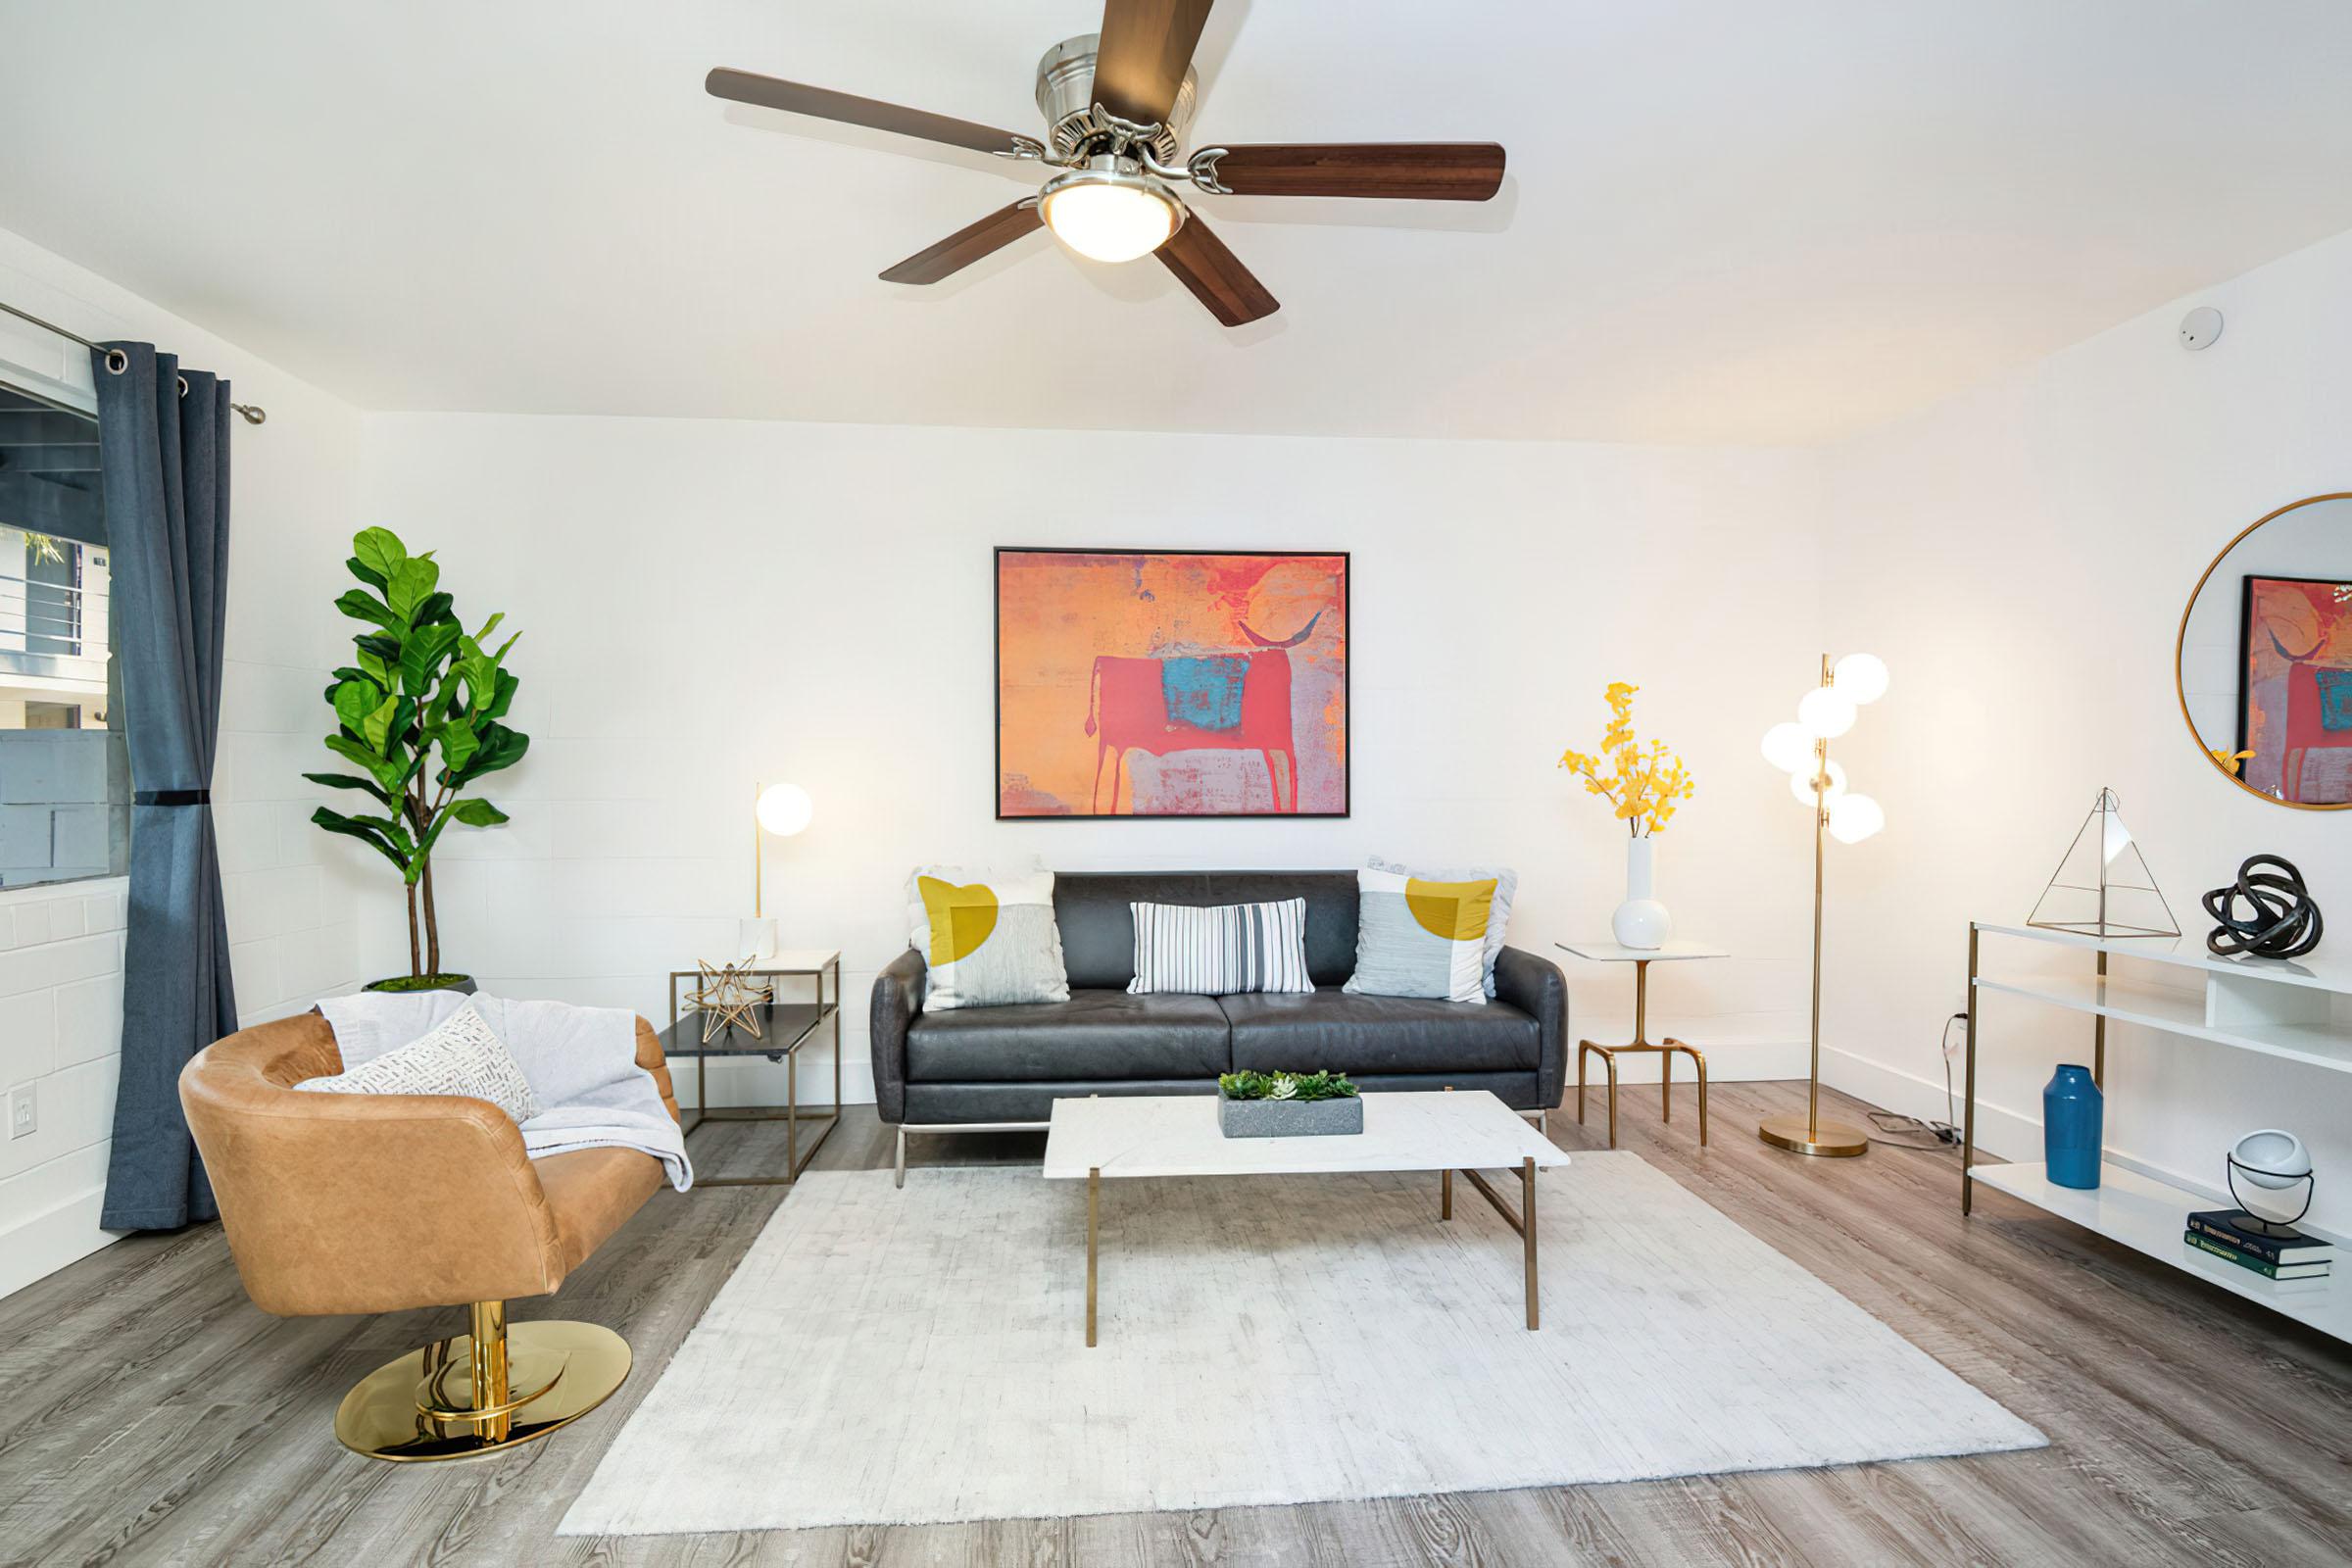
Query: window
65	778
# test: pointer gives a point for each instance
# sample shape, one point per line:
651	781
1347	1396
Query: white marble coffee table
1176	1135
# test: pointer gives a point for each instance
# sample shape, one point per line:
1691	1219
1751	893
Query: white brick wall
60	1032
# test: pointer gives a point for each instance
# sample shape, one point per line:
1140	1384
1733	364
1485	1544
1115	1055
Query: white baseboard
37	1248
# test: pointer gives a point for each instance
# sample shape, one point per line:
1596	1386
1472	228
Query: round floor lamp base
1828	1139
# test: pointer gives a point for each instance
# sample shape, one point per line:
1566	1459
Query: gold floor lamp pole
1802	749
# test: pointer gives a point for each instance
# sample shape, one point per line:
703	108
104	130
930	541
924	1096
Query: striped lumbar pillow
1220	952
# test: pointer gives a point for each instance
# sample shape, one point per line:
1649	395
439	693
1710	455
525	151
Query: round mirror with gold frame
2264	661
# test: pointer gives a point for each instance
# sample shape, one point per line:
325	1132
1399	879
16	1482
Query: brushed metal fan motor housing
1065	96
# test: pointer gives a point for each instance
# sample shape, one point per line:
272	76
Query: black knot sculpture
2281	920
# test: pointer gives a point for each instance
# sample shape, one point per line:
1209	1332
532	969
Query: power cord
1938	1135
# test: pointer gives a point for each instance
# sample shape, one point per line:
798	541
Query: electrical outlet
24	1110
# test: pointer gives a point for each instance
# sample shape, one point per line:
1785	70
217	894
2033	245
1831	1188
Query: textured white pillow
462	1055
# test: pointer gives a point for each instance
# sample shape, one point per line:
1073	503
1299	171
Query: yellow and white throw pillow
989	939
1419	937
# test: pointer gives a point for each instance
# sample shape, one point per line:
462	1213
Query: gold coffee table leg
1527	1217
1094	1198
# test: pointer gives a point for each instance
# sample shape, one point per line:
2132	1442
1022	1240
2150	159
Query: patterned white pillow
1225	950
463	1056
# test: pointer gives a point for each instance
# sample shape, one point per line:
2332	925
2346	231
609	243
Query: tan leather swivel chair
381	1202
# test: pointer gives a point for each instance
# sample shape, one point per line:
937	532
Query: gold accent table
783	1028
1131	1136
1641	958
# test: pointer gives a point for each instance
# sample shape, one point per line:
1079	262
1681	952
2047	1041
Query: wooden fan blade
1145	48
1417	171
965	246
768	93
1216	277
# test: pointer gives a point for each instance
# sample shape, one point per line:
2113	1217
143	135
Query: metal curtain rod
253	413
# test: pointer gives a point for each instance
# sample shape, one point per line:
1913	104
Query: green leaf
489	626
474	811
344	781
364	573
380	551
375	669
436	606
382	647
337	822
501	747
412	583
389	773
378	727
354	701
504	698
361	605
421	659
459	743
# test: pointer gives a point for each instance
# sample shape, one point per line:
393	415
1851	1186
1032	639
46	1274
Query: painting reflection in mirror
2294	698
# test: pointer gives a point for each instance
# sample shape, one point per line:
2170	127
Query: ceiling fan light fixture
1110	210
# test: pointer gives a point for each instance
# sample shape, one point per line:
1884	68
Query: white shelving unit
2274	1007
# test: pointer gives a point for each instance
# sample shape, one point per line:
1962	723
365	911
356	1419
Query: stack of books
2274	1251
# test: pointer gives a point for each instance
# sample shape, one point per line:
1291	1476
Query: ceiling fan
1116	105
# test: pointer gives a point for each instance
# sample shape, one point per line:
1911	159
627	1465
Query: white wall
704	604
290	903
2021	557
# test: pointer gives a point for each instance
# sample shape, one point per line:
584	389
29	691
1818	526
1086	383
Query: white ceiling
1724	221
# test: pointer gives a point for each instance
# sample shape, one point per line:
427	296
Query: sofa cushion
1096	1034
1359	1035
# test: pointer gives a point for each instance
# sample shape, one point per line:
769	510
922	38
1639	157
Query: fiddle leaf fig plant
421	713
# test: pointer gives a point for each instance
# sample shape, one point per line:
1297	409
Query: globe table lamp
782	810
1801	750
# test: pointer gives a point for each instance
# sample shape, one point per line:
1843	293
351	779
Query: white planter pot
1640	921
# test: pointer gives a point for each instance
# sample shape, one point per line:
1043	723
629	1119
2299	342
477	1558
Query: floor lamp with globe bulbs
1801	750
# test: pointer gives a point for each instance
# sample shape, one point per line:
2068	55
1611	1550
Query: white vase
1640	921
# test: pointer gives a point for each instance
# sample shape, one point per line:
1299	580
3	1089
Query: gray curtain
163	439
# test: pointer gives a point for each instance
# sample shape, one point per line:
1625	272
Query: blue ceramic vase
2074	1114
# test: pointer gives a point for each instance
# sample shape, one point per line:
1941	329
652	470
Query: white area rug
918	1355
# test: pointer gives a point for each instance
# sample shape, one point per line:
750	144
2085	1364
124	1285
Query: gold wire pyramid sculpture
2102	886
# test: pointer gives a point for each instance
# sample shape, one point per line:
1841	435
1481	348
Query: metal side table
784	1028
1641	958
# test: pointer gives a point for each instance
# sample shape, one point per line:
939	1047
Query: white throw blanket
580	1061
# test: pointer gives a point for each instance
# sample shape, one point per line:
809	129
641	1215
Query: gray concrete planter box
1289	1118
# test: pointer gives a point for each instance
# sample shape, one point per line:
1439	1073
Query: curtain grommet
117	362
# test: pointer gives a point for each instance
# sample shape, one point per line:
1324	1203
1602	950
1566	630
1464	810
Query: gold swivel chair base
1829	1138
532	1377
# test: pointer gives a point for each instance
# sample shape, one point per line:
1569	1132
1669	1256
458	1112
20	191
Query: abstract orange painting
1171	683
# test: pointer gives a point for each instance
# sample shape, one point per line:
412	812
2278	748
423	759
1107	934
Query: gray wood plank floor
151	1414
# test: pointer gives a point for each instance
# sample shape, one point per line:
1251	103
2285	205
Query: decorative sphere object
1642	923
1789	748
2270	1162
784	809
2264	913
1856	817
1826	712
1862	678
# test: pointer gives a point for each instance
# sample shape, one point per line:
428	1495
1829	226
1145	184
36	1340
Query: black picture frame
996	688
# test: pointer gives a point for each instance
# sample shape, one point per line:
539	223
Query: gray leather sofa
1002	1069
